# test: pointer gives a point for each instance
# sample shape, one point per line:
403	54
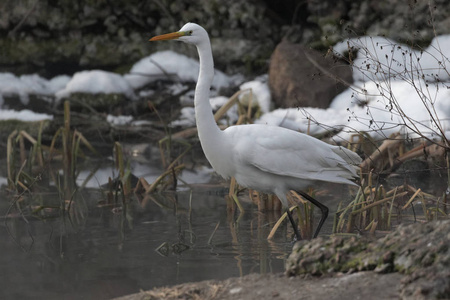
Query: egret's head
190	33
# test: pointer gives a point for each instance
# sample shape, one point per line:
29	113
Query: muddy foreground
362	285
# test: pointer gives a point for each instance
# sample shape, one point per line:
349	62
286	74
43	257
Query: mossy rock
420	251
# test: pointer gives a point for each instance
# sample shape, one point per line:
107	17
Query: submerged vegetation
34	172
23	165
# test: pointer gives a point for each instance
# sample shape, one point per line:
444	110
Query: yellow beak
167	36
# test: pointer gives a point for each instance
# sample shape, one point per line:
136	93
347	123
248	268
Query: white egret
265	158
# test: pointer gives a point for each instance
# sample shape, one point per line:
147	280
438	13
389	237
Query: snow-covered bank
379	58
160	65
25	85
396	88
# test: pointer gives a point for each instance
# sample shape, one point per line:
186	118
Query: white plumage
265	158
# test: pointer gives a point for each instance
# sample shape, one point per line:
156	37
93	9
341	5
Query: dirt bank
361	285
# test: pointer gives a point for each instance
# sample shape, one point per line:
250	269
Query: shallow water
110	252
101	251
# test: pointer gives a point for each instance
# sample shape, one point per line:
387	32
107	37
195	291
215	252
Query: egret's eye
190	32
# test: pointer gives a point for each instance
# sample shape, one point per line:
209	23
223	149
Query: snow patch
96	82
23	115
169	65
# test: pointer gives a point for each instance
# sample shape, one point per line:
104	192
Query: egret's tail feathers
347	169
341	174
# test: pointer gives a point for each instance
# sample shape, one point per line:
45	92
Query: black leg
294	226
322	207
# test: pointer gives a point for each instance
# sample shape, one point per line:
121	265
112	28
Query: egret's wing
287	153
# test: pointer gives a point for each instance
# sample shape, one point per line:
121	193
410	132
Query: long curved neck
208	131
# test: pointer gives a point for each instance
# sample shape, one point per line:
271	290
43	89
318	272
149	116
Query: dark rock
295	79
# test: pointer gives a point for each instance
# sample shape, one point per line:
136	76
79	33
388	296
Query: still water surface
101	251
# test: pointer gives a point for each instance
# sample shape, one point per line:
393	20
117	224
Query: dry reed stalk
380	153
